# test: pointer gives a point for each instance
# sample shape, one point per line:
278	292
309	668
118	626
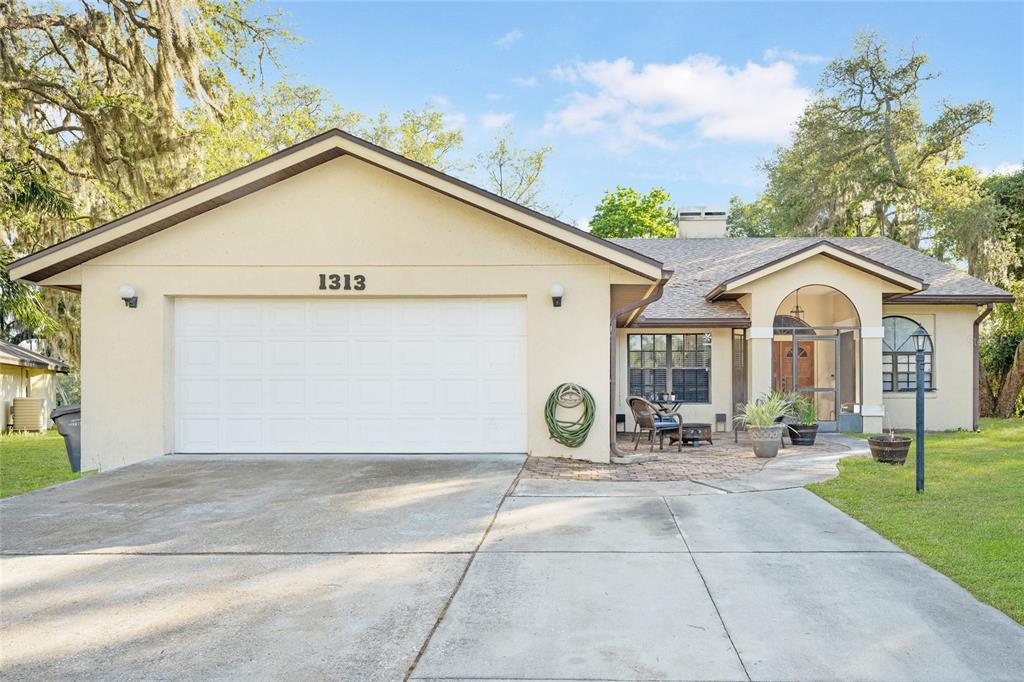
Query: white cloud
525	81
492	119
495	96
1005	168
454	120
565	73
507	40
633	104
776	55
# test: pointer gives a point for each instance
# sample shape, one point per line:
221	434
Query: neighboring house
336	297
26	374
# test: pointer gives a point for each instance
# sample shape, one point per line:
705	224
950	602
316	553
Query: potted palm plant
804	429
763	420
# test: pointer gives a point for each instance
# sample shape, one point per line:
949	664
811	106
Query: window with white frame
670	364
899	356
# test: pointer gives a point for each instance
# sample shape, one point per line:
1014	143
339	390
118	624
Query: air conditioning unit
28	414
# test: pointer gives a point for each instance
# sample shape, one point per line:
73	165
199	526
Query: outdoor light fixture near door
797	311
127	294
557	291
920	337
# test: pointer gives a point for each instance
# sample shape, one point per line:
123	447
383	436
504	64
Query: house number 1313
344	282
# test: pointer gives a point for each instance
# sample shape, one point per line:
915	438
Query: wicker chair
652	420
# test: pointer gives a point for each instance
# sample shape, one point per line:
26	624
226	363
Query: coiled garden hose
570	433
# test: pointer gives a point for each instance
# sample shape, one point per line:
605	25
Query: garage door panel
285	318
460	432
328	394
416	355
502	319
240	356
329	318
201	434
504	396
197	356
240	396
242	319
372	355
371	318
416	395
420	320
199	395
395	375
329	356
504	357
372	395
502	432
326	432
460	356
242	434
287	435
199	320
286	395
286	356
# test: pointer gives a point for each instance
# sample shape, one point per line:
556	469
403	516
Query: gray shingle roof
23	357
702	264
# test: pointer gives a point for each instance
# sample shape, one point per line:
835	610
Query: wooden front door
782	365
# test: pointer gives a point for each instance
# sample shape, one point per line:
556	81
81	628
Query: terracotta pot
889	450
803	434
766	439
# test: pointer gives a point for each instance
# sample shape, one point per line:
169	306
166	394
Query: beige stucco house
338	298
27	374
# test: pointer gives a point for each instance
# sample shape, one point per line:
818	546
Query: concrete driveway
356	568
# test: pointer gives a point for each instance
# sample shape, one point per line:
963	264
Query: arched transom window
899	356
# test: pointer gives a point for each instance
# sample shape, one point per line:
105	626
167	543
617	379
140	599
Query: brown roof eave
706	322
282	174
951	299
724	285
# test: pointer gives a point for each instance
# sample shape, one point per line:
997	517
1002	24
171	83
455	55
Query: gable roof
23	357
702	265
317	150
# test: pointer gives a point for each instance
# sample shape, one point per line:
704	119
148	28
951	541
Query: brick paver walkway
724	459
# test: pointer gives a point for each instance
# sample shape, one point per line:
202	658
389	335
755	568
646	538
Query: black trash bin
69	424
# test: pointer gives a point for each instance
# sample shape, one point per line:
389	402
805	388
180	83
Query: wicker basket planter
889	449
803	434
766	439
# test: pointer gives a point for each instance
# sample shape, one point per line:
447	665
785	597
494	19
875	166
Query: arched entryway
816	353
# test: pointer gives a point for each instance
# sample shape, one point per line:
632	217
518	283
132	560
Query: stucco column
872	407
760	357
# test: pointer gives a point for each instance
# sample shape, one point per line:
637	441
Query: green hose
570	433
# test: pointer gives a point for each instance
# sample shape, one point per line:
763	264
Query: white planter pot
766	439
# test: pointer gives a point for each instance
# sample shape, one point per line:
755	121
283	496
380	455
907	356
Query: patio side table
694	433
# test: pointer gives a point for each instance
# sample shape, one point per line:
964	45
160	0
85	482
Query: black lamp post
920	336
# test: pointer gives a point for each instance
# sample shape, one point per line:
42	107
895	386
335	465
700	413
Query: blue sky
685	96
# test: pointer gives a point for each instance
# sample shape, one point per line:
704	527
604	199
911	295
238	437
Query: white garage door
334	376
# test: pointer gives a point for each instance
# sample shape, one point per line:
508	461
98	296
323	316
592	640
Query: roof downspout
976	424
654	295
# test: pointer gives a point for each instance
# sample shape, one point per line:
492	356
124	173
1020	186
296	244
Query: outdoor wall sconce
557	291
127	294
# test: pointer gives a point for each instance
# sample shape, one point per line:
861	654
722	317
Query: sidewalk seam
707	589
462	577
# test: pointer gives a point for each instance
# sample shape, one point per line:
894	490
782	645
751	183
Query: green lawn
32	460
969	522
